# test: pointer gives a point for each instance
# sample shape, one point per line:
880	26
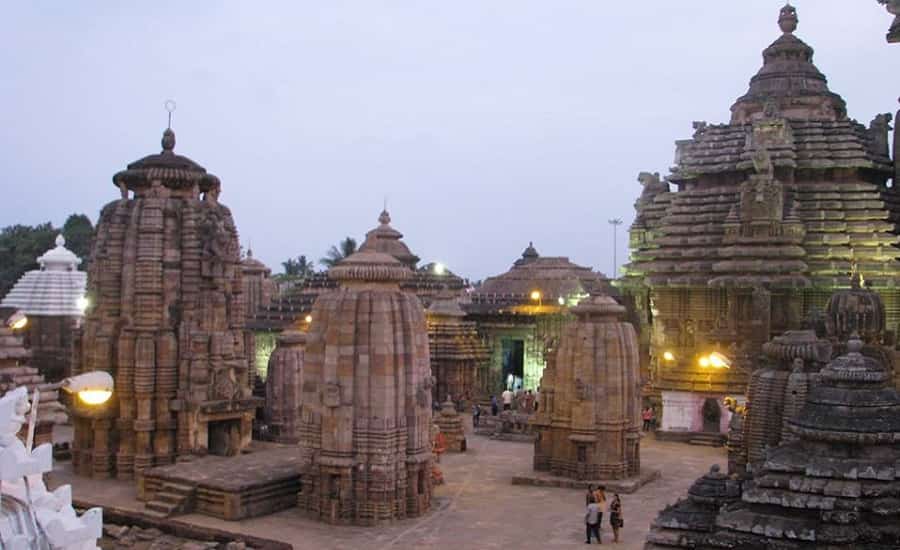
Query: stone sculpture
588	423
450	423
166	320
31	517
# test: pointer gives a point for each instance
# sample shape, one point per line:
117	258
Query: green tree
79	232
338	252
298	267
20	245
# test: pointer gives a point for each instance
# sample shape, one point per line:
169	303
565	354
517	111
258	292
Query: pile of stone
137	538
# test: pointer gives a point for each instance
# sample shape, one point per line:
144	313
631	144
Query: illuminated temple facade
760	220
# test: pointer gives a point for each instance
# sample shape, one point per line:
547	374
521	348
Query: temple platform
262	481
625	486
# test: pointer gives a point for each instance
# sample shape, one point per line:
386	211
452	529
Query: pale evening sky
487	124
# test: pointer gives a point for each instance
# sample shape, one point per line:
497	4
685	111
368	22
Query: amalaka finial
855	343
60	240
384	218
788	19
168	139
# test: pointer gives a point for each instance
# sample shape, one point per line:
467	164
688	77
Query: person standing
615	516
600	499
476	415
592	519
507	400
495	407
646	415
529	402
537	398
653	419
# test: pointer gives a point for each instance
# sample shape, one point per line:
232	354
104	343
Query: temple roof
552	277
167	167
251	265
56	289
386	239
788	82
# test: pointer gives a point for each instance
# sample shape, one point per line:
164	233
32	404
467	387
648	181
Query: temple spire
787	19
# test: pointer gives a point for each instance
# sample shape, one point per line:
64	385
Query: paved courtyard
478	507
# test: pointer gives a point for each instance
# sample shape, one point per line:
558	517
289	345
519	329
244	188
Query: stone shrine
166	319
365	408
53	299
451	425
767	216
284	385
457	351
589	420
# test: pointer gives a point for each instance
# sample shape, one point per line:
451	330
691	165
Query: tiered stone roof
789	193
553	277
457	350
55	289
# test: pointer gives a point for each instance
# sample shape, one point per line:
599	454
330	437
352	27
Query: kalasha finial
384	218
855	343
60	240
168	139
787	19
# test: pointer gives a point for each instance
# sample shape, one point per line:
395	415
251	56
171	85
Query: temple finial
787	19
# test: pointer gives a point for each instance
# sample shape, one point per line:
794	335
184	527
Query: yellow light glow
668	356
82	304
439	269
719	361
20	323
704	361
94	397
535	295
308	319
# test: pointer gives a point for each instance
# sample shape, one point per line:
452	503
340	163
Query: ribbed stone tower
284	384
166	320
365	414
589	418
457	351
765	217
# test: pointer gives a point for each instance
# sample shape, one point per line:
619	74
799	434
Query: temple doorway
712	415
513	363
225	437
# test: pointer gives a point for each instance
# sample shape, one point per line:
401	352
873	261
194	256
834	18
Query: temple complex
52	297
166	319
520	311
588	423
767	215
457	351
16	372
365	405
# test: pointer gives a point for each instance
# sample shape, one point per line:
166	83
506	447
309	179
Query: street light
615	223
92	388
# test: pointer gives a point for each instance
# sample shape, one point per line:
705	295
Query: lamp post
615	223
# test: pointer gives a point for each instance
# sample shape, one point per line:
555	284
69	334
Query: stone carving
369	441
284	384
880	129
450	423
589	426
32	516
166	321
457	351
893	7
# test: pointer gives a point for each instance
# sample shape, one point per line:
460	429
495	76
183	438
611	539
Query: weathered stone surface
457	351
284	385
588	423
166	320
450	423
365	413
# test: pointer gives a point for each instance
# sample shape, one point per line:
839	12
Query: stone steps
711	440
172	499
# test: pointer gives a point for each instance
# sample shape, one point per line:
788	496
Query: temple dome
170	169
386	239
788	85
56	289
251	265
855	310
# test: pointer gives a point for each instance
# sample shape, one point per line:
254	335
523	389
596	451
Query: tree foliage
338	252
298	267
79	232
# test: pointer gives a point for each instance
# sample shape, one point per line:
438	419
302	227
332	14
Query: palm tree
338	252
299	267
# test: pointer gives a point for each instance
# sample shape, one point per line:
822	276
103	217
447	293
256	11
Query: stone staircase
172	499
707	439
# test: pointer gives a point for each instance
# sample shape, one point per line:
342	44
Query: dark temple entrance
224	437
712	415
513	363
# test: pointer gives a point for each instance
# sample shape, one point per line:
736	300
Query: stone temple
589	422
365	406
166	320
759	221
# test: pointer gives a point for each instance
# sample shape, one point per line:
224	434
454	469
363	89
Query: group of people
648	415
523	401
597	506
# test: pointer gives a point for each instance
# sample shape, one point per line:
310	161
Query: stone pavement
478	507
